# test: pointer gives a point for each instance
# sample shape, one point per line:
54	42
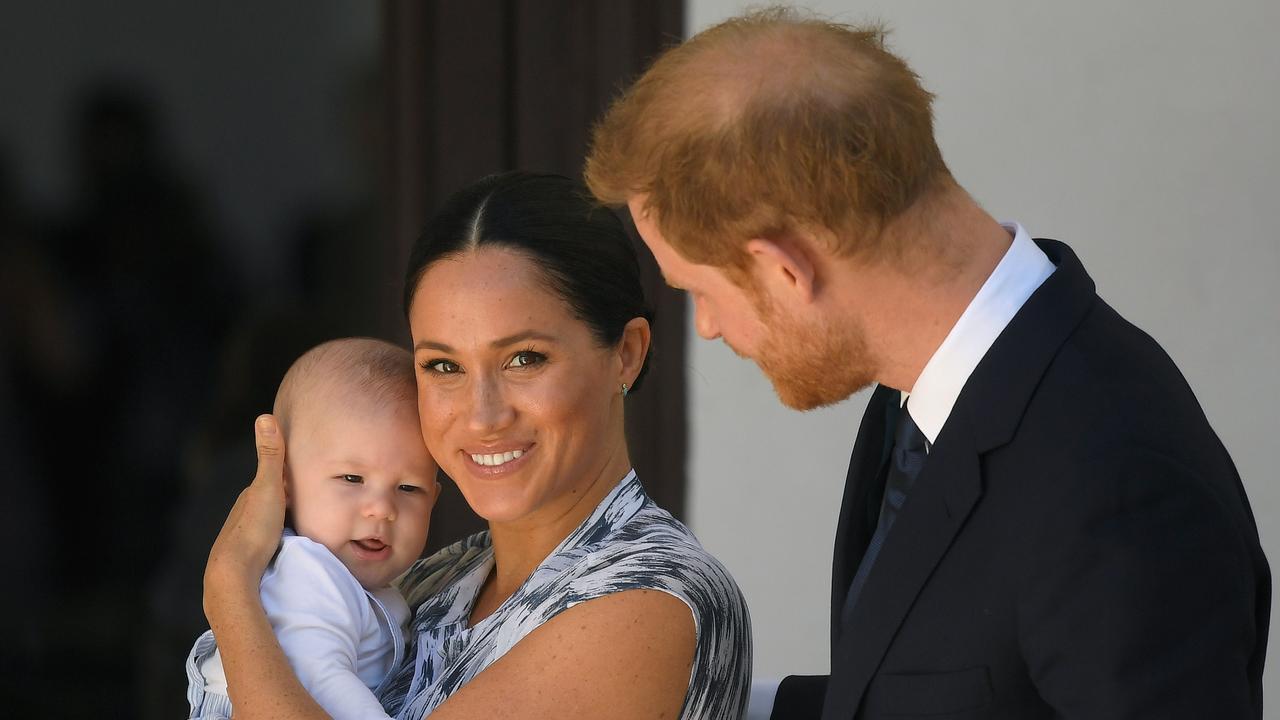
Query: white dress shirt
1022	269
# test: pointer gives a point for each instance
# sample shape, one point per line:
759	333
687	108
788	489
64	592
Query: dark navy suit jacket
1077	545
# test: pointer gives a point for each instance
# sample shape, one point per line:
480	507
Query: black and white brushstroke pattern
627	543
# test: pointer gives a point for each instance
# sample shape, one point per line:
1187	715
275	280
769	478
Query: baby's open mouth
370	544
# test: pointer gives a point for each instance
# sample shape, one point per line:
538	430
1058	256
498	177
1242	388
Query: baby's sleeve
317	610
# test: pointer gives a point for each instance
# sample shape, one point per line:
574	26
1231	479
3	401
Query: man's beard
811	366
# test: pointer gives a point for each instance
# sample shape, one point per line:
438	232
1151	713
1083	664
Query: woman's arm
626	655
259	679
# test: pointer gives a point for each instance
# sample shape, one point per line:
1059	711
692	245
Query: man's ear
787	265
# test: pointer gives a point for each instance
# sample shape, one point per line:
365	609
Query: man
1038	521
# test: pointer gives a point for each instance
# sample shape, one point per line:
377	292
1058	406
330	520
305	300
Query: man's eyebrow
501	342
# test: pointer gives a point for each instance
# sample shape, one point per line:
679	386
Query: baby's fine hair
367	369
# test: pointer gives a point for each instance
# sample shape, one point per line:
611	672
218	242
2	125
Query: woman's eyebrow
432	345
522	336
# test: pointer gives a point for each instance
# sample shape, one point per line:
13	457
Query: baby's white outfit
342	640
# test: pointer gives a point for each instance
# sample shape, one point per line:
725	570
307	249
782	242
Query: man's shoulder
1111	371
1111	415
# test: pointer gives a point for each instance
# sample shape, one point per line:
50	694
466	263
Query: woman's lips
487	464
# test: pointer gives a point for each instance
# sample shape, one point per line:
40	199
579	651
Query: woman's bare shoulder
624	655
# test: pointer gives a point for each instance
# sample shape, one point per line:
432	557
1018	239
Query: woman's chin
495	504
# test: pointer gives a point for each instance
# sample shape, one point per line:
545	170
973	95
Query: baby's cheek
416	532
310	523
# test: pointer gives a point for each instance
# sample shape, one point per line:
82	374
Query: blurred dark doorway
492	85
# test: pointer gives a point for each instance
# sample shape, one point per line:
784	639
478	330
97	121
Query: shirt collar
1022	269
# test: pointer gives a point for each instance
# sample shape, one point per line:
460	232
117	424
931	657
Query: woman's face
519	403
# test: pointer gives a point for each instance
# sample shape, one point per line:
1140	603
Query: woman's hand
251	533
259	678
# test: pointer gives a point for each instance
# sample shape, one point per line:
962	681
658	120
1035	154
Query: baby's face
362	484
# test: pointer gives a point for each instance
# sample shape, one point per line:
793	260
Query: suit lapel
948	487
855	525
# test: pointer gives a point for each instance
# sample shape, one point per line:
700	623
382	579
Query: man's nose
703	322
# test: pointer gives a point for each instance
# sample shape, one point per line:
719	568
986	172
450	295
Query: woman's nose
490	410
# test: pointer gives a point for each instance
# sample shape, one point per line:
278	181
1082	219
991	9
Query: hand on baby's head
360	480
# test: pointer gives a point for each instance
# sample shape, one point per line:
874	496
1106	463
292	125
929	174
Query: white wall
1143	134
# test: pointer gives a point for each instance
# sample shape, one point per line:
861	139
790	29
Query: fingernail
265	425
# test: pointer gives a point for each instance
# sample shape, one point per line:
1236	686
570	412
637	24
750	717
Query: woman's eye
525	358
442	367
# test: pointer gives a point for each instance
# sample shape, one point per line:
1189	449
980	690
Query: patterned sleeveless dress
627	543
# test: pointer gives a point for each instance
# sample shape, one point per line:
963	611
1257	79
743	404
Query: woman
584	599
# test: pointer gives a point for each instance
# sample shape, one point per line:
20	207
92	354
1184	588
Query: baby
360	487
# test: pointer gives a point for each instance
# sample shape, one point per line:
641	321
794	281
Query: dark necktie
905	460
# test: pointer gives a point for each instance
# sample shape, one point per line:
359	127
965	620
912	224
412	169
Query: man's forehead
670	264
677	271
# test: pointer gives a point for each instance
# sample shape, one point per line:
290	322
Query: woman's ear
633	349
787	265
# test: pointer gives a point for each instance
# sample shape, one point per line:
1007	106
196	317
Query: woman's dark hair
581	247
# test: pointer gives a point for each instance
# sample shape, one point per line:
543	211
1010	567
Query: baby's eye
353	479
410	488
442	367
525	358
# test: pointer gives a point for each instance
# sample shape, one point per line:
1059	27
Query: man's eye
442	367
525	358
353	479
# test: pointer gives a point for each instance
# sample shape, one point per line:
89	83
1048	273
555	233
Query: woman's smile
498	462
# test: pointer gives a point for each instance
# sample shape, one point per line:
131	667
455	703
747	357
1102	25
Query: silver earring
625	390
